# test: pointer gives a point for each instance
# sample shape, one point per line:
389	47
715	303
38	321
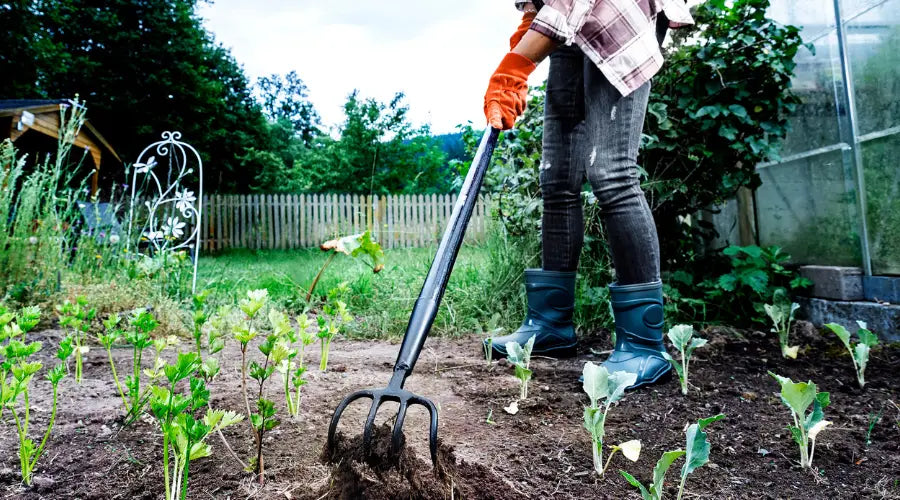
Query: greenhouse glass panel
815	123
873	41
804	207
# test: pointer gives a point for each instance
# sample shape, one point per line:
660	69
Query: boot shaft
551	297
638	311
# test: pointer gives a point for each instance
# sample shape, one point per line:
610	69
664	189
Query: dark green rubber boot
638	311
551	302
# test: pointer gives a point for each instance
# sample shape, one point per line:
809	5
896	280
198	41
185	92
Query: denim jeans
591	131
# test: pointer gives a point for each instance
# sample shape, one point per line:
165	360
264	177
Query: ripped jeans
591	130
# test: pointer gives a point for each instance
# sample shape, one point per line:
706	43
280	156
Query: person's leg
551	290
562	165
614	124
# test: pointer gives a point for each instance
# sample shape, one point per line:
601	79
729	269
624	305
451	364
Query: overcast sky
439	53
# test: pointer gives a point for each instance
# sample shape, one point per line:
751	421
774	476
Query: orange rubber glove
527	19
507	91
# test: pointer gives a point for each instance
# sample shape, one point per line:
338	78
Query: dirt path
541	451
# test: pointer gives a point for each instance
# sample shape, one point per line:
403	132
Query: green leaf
680	335
867	337
596	382
738	110
841	333
796	395
594	420
697	446
662	466
637	484
618	382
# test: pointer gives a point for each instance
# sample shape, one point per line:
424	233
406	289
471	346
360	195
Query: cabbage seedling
782	314
600	384
798	396
696	455
859	352
682	337
520	357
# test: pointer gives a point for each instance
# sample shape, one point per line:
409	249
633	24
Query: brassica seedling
520	357
696	455
782	314
859	352
331	322
798	396
600	384
682	337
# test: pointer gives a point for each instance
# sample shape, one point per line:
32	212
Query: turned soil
484	451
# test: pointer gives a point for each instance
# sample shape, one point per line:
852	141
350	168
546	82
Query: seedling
798	396
332	321
112	334
520	357
682	337
200	317
76	318
264	419
142	323
292	372
859	352
184	437
15	352
696	455
600	384
782	314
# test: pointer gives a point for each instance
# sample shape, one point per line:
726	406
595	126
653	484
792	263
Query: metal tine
397	434
370	421
432	434
340	410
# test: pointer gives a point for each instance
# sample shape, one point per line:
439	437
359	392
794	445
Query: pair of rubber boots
638	313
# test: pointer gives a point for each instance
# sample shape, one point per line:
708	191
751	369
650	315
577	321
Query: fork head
394	393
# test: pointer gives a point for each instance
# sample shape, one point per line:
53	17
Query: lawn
380	302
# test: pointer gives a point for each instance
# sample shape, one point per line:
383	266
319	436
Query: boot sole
569	351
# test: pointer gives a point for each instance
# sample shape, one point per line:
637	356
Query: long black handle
429	300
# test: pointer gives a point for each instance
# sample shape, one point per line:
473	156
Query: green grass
380	302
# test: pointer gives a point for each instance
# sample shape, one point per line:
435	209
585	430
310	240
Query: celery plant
859	352
600	384
112	334
682	337
331	322
184	436
142	323
200	317
76	318
798	396
15	352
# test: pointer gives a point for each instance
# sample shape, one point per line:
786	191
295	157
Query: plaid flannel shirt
619	36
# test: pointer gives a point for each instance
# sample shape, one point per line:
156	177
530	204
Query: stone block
882	289
836	283
883	319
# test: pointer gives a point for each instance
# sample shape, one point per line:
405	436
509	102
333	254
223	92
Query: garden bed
542	450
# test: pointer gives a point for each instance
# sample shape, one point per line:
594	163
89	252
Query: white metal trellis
174	212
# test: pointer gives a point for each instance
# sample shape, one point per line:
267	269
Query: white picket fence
284	221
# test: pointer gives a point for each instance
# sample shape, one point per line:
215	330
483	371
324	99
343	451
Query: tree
143	67
287	98
378	150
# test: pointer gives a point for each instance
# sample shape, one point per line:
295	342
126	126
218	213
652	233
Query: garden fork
424	312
